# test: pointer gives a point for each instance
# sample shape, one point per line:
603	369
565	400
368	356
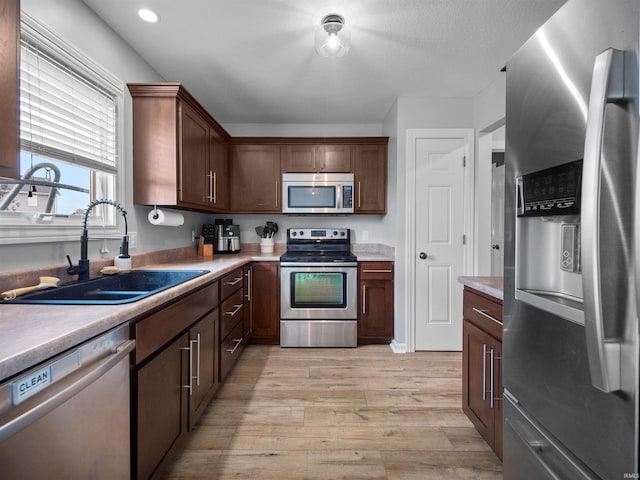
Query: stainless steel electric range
318	289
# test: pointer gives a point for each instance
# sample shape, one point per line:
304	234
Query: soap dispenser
123	261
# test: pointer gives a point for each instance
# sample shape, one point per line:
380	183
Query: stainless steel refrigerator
572	247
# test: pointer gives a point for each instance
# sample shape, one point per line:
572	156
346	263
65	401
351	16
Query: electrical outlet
365	235
193	236
133	240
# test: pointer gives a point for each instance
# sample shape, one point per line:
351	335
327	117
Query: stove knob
293	234
335	233
301	233
342	234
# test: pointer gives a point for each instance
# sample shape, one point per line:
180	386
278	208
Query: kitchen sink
111	290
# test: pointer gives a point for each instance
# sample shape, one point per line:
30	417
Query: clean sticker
30	385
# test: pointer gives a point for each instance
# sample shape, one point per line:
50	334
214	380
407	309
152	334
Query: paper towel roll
165	218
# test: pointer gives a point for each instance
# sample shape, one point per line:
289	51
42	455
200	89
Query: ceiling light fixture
333	40
148	15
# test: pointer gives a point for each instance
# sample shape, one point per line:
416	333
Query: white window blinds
63	114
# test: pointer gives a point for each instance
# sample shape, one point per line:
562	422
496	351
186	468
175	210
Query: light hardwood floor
363	413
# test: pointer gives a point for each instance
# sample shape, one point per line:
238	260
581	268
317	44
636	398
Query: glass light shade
333	45
148	15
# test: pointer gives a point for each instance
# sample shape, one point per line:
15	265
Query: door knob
423	255
495	246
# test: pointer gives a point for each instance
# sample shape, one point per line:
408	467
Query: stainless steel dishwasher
68	417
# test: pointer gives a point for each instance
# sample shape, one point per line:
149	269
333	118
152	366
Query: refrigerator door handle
607	86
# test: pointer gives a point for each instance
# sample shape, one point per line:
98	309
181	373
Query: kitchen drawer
483	311
230	283
376	270
230	350
159	328
231	312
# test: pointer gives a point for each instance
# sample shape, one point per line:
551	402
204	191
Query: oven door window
307	196
318	290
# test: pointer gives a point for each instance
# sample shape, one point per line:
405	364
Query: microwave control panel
347	196
553	191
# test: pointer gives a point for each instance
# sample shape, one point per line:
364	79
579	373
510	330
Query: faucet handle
72	270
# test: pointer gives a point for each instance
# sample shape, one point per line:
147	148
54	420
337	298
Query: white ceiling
253	61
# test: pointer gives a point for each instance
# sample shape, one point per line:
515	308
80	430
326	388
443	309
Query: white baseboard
398	347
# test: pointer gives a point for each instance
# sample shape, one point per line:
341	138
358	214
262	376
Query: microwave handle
339	197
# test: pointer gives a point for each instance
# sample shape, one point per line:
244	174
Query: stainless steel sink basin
110	290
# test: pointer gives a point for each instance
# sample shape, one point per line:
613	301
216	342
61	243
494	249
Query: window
69	137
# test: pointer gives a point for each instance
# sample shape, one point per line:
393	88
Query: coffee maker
227	236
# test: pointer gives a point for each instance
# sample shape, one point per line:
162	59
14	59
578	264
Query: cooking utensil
260	231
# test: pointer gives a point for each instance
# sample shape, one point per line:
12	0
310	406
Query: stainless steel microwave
324	193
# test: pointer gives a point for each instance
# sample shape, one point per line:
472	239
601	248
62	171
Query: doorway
440	227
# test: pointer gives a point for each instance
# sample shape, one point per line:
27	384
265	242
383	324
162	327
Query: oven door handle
318	264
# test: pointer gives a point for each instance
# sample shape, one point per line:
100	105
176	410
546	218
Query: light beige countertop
490	285
33	333
373	252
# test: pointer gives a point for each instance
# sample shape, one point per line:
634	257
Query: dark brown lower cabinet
174	375
375	302
482	366
265	302
160	416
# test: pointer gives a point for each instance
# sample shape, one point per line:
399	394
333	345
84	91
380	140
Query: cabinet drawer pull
233	312
238	342
485	314
234	281
377	271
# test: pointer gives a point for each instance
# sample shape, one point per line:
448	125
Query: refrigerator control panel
553	191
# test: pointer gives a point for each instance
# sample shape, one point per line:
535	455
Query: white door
497	220
439	244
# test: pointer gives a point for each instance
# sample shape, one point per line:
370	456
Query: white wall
408	113
488	117
79	26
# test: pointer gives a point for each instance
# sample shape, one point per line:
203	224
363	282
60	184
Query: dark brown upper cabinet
9	87
180	153
301	158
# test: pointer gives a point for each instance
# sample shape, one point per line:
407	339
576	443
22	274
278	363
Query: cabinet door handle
190	349
238	342
364	299
484	371
234	281
495	358
248	275
208	197
491	382
486	315
377	271
277	202
215	188
233	312
359	190
198	361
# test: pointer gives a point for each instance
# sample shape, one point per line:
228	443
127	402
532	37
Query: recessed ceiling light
148	15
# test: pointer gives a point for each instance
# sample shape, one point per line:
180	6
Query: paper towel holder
155	212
